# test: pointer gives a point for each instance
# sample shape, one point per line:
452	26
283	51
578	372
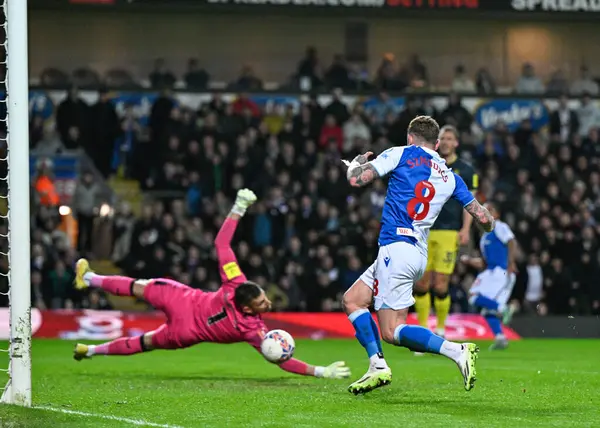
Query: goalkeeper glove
337	370
245	198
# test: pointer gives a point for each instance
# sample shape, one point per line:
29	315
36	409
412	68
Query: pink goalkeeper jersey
217	317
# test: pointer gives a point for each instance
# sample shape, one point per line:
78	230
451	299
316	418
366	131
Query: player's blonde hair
424	128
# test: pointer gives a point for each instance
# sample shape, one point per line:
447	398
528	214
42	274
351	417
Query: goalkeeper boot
81	268
466	364
80	352
373	379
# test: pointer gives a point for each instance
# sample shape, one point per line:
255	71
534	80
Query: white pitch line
139	422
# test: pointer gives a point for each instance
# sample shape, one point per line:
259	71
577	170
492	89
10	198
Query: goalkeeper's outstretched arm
337	370
228	266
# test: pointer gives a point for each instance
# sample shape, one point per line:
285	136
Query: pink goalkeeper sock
121	346
117	285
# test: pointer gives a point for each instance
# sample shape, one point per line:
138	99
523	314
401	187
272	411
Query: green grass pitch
535	383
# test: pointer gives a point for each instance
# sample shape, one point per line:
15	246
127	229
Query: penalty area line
139	422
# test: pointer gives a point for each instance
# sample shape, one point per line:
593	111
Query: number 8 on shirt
415	198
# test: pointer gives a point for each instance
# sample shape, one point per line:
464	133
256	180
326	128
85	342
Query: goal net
14	240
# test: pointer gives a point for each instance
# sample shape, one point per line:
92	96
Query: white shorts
392	275
495	284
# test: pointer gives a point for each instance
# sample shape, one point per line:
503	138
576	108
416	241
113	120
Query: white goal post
18	389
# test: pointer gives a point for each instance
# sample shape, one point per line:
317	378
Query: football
278	346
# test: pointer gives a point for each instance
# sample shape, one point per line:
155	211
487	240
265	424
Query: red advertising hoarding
108	325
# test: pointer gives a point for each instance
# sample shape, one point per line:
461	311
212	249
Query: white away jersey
494	246
420	184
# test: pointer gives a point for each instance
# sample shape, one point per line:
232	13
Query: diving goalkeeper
231	314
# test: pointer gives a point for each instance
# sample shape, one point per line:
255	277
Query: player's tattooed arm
362	175
360	171
481	215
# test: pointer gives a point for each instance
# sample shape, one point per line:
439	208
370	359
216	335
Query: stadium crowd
311	235
313	73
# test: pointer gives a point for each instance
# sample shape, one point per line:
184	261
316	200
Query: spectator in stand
243	104
564	123
308	216
273	118
44	186
247	82
397	131
529	83
196	78
415	73
159	120
558	84
337	108
462	83
535	283
331	133
337	75
105	127
49	144
85	203
457	115
309	70
72	120
585	84
484	82
359	76
588	115
160	77
355	131
387	77
61	284
384	106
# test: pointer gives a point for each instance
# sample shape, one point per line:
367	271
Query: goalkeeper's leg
114	284
121	346
167	336
171	297
163	294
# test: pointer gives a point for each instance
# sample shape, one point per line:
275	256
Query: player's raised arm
228	267
479	213
361	172
337	370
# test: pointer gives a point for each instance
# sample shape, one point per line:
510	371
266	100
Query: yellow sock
442	309
423	307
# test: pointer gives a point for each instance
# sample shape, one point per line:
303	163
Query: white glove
337	370
245	198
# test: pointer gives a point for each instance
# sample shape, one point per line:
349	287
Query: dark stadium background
172	108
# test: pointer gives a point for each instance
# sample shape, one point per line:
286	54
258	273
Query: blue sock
418	339
362	322
484	302
494	324
376	334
